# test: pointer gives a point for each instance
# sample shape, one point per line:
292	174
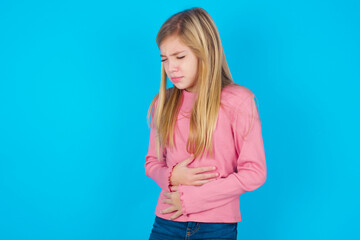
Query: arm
155	169
251	166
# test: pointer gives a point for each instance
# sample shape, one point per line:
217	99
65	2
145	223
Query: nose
173	66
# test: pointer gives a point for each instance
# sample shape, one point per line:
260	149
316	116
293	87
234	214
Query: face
180	63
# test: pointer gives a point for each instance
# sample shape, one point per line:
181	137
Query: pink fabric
239	161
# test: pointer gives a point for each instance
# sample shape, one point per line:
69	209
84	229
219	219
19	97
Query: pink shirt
240	162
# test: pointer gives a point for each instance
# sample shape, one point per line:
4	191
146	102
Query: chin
180	87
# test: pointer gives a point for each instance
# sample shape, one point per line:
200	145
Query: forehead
172	44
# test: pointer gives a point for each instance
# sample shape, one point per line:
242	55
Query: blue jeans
171	230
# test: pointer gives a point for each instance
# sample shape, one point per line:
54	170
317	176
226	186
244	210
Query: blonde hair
196	29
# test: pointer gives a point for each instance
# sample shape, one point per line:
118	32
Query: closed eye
163	60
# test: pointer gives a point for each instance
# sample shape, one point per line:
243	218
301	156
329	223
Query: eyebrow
175	53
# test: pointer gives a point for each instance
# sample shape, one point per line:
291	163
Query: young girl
206	146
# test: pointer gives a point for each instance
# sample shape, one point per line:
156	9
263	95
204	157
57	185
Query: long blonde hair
196	29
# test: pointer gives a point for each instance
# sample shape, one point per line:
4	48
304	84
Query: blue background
76	81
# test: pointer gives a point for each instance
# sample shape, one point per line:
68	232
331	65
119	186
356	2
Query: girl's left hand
173	198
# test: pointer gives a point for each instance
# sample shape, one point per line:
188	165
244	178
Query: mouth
176	79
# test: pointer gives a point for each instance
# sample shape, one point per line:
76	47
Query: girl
206	146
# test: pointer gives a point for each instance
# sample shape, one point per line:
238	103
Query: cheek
192	68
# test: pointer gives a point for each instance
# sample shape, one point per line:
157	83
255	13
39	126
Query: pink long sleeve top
238	154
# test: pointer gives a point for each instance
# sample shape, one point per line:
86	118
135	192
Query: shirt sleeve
155	169
250	172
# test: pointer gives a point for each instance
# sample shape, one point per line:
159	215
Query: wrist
171	178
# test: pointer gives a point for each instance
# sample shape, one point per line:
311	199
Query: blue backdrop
76	81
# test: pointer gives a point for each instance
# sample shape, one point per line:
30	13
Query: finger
187	161
167	194
203	169
169	210
167	200
176	215
202	182
204	176
174	188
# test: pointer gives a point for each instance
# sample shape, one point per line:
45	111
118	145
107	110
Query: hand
181	174
173	198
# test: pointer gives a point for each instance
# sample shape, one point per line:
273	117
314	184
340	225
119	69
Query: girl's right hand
181	174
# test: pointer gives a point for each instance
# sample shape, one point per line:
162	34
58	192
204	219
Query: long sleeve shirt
238	155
